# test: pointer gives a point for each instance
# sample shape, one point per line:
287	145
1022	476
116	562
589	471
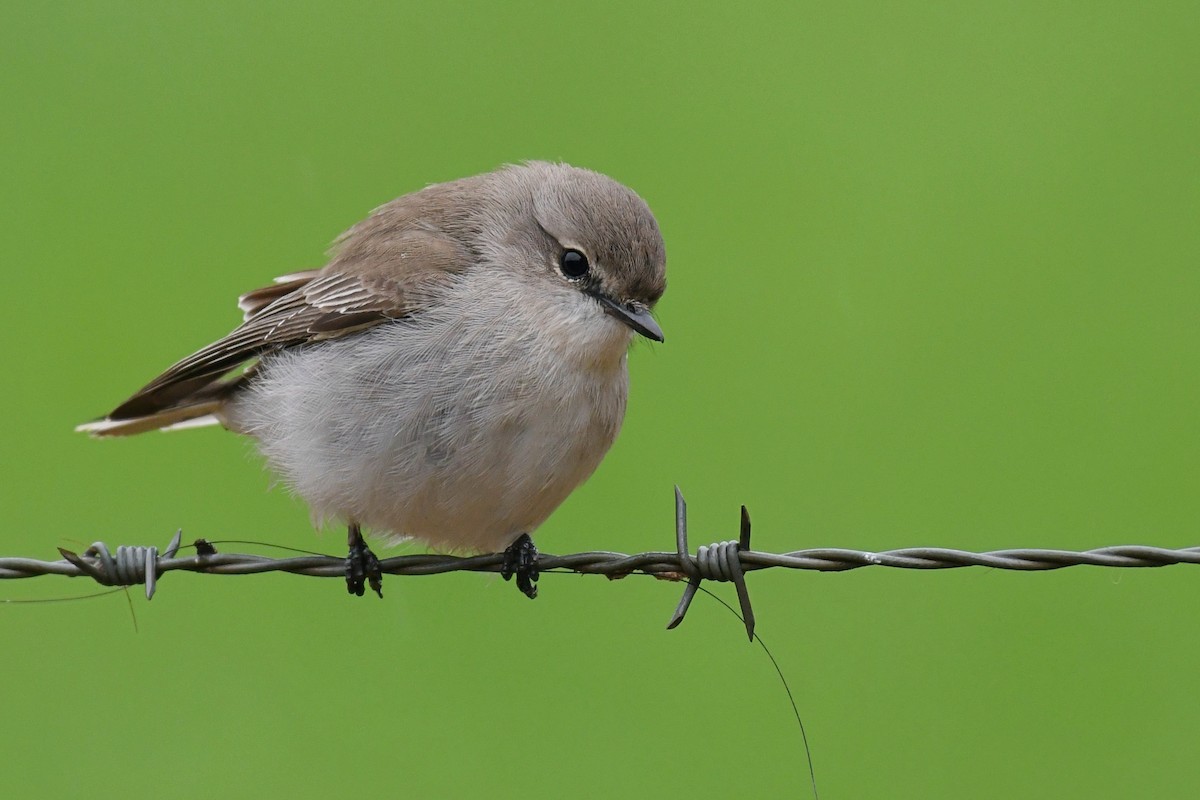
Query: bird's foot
362	564
520	559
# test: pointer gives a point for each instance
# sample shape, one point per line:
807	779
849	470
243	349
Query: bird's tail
191	415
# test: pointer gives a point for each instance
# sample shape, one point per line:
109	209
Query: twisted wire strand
722	561
668	566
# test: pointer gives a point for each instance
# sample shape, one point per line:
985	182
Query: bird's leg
520	559
361	563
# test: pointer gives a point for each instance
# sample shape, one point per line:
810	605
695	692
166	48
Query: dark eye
573	264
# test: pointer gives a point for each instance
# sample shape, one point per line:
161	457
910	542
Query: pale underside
463	427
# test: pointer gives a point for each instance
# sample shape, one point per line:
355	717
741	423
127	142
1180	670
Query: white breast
464	426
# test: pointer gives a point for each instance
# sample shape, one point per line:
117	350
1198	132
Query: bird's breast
462	429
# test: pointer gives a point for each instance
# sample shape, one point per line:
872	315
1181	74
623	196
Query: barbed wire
722	561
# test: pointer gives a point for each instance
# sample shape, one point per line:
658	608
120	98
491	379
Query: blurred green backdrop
933	281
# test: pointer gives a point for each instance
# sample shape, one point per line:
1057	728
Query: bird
454	371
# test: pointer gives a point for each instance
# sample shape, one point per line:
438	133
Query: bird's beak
634	316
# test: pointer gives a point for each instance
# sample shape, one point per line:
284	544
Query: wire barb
132	564
717	562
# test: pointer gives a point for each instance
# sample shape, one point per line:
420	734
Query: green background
933	281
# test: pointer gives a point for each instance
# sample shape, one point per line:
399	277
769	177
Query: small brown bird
451	375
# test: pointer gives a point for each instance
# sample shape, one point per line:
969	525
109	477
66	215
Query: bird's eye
573	264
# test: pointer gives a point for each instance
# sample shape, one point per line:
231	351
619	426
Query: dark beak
635	317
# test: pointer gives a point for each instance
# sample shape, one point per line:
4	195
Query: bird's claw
520	559
362	564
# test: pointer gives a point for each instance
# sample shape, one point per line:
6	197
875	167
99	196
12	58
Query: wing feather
252	302
345	297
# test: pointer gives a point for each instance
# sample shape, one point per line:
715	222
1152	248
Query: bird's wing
252	302
308	307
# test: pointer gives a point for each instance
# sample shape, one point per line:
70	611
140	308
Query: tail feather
178	417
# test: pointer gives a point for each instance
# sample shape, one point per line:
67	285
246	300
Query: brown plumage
456	369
